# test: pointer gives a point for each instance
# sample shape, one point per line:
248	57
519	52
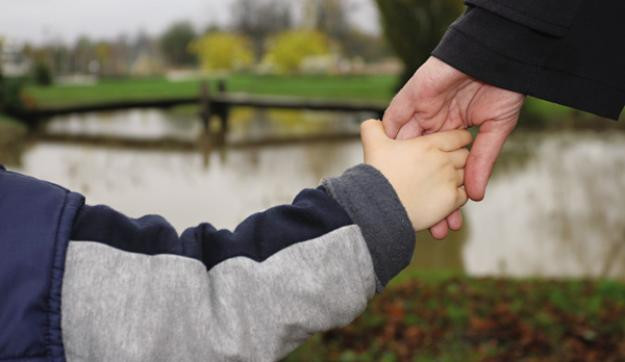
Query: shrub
11	101
288	50
223	51
42	75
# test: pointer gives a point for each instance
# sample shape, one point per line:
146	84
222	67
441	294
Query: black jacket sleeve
566	51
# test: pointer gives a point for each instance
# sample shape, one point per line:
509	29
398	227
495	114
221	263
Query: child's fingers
459	177
461	197
372	131
459	157
450	140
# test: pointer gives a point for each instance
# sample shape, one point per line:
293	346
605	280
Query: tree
223	51
414	28
41	73
1	56
288	50
174	44
259	19
332	19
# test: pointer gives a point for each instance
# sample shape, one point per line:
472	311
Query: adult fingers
459	177
455	220
450	140
400	111
461	197
440	230
409	130
484	152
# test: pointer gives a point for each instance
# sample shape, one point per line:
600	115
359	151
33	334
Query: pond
554	207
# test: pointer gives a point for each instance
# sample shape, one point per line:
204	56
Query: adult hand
439	97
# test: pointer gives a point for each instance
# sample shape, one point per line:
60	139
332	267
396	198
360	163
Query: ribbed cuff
371	202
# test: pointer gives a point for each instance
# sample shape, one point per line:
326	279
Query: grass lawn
375	87
442	317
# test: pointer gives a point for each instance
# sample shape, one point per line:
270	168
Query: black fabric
581	67
313	213
549	16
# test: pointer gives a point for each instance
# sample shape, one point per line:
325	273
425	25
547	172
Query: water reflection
559	214
553	206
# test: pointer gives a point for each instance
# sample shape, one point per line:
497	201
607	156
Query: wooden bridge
211	104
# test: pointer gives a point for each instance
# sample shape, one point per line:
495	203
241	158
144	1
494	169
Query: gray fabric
119	306
372	203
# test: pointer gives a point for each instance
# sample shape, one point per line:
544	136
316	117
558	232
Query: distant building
145	59
146	65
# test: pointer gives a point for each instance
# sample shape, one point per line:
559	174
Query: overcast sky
44	20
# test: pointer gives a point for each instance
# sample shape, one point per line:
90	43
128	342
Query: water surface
554	206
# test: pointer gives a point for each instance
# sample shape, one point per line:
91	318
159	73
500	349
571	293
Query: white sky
44	20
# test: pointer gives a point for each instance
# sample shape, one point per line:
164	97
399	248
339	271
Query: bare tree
259	19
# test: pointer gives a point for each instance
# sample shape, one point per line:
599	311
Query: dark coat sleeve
566	51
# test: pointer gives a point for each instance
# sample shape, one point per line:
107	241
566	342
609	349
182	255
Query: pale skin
439	98
427	173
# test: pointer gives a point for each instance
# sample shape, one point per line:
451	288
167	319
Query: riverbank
446	317
370	87
375	88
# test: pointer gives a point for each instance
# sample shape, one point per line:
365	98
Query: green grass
379	88
376	87
109	90
442	317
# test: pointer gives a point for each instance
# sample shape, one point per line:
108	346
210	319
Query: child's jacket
87	283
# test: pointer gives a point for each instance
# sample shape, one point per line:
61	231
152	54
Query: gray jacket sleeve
120	305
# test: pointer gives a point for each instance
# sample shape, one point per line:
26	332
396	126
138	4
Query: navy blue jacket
36	221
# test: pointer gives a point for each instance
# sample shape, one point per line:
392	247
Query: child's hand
427	172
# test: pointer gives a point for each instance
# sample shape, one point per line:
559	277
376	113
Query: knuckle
449	196
428	146
447	168
462	198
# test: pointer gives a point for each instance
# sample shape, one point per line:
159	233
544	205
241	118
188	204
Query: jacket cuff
371	202
478	44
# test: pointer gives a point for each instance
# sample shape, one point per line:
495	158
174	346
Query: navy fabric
147	235
35	224
313	213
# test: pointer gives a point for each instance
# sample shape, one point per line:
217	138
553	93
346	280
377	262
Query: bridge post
222	109
205	105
